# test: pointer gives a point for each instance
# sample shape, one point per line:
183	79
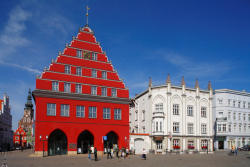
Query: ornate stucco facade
232	118
172	118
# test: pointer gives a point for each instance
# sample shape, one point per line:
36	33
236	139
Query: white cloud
194	68
12	35
23	67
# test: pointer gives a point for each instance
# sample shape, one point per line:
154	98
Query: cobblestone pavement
218	159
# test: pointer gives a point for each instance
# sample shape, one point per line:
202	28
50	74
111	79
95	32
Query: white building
232	118
6	133
172	118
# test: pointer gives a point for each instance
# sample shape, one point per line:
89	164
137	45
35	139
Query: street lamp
43	140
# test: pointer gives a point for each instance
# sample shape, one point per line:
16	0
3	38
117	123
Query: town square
124	83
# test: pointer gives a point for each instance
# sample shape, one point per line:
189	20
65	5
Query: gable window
203	112
117	114
78	88
51	109
80	111
104	91
106	113
113	92
159	107
93	90
66	87
92	112
65	110
79	71
94	56
189	110
79	53
55	86
67	69
175	109
94	73
104	75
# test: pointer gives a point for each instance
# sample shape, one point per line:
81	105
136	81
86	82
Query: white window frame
176	109
94	73
113	92
55	86
80	111
79	71
106	113
104	74
64	110
190	110
51	109
93	90
190	128
94	56
67	69
78	88
92	112
176	127
117	114
203	112
79	53
104	91
67	87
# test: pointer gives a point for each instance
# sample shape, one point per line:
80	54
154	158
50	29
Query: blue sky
208	40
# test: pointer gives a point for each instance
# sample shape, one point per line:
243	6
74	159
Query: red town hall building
80	101
20	137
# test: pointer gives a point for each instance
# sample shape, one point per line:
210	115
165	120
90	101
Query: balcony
158	133
221	119
158	114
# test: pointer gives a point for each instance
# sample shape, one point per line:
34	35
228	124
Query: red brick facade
79	99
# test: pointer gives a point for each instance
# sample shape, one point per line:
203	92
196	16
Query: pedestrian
127	152
144	156
123	153
112	153
89	152
95	153
117	152
236	151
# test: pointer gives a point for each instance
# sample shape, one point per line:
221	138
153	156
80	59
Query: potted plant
190	147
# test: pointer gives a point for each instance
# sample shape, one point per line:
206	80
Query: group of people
123	153
234	150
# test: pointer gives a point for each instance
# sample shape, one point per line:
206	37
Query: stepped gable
85	52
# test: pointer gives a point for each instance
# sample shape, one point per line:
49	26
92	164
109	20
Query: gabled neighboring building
20	137
26	123
81	101
169	118
6	133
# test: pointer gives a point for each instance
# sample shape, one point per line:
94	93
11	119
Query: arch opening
57	143
85	140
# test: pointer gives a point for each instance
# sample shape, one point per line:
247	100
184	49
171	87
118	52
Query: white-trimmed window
219	128
190	128
66	87
239	116
159	107
55	86
176	127
117	114
204	144
175	109
229	102
93	90
78	88
229	115
79	53
239	104
245	127
220	101
79	71
234	103
104	75
65	110
113	92
106	113
229	128
203	129
235	126
51	109
239	127
94	73
94	56
244	104
203	112
244	117
234	117
104	91
92	112
80	111
67	69
249	105
224	127
189	110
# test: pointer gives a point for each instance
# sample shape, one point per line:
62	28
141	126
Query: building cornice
230	91
74	96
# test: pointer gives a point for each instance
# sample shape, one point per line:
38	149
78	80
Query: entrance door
139	143
159	146
85	140
221	144
57	143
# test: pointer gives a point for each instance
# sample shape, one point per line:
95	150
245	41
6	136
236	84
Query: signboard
105	138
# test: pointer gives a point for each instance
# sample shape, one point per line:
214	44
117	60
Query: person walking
112	153
95	153
127	151
89	152
144	154
236	151
117	152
